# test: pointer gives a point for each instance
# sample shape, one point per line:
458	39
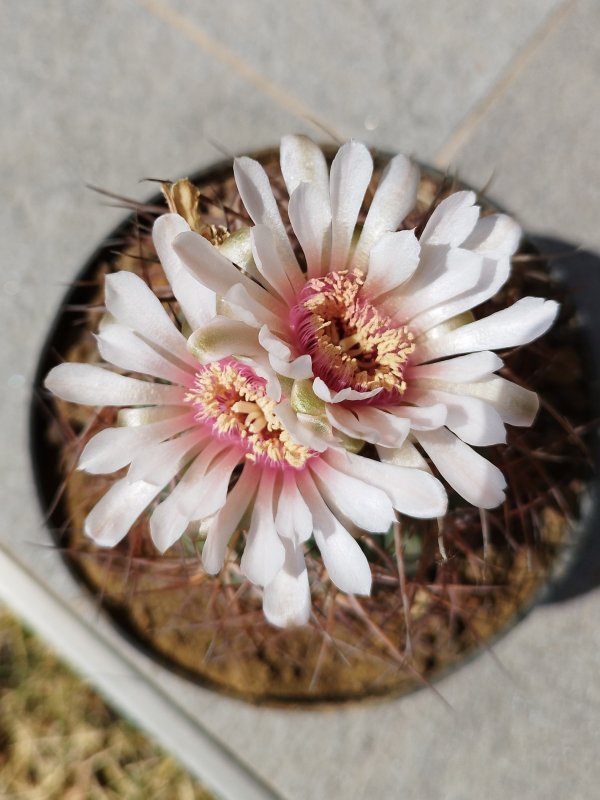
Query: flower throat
351	343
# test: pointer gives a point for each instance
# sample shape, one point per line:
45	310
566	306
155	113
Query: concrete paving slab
541	138
400	73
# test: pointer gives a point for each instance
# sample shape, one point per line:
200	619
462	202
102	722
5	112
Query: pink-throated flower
365	333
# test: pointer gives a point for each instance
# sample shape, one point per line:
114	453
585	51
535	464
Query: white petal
308	431
310	214
257	197
264	552
200	493
302	161
453	220
394	197
473	420
131	301
293	519
464	369
237	247
114	448
323	392
216	272
472	476
496	234
286	600
238	304
462	272
345	562
494	275
422	418
350	175
515	404
370	424
367	506
197	302
281	358
158	463
519	324
95	386
146	415
112	517
221	338
412	491
125	349
227	520
393	260
284	282
405	456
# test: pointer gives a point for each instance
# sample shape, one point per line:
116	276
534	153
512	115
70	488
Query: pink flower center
232	399
351	343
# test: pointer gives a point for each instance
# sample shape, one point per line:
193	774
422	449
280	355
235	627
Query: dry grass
59	740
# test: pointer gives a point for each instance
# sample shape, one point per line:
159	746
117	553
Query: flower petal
392	261
412	491
462	272
519	324
125	349
237	247
475	421
472	476
284	282
197	302
257	197
515	404
405	456
216	272
496	234
96	386
350	175
293	520
370	424
494	275
238	304
200	493
221	338
310	215
227	520
302	161
367	506
304	429
131	301
323	392
286	599
346	564
453	220
422	418
394	197
281	358
264	553
114	514
157	463
114	448
464	369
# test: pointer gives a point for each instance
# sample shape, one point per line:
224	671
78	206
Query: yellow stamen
227	396
351	338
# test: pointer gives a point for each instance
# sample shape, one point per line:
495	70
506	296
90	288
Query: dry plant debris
59	740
